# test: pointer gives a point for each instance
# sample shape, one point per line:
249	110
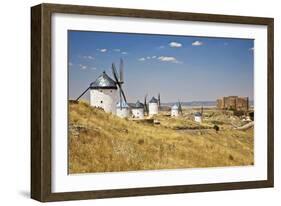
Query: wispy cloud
119	50
89	57
141	59
147	58
251	49
70	64
93	68
197	43
225	44
102	50
161	47
174	44
168	59
83	67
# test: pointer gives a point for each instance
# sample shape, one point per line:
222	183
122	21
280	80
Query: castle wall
233	103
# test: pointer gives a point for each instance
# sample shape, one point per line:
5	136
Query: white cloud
117	50
175	44
153	57
147	57
124	52
197	43
82	66
102	50
141	59
89	57
168	59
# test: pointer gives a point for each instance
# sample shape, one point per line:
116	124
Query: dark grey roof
104	82
138	105
153	100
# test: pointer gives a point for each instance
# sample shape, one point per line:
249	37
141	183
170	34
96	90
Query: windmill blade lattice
118	83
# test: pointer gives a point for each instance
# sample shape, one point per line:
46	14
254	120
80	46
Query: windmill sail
119	84
121	72
180	107
145	104
159	103
82	94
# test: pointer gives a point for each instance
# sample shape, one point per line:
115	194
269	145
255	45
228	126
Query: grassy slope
107	143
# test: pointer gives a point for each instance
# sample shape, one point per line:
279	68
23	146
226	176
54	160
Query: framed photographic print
132	102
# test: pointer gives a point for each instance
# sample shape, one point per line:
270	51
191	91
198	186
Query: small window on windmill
101	102
111	91
100	90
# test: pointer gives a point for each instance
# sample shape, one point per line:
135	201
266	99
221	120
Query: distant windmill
153	106
119	81
176	110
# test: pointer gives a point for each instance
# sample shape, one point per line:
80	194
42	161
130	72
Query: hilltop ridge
102	142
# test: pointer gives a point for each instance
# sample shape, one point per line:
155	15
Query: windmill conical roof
138	105
103	82
153	100
175	107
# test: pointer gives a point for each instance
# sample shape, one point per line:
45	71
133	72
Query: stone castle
233	103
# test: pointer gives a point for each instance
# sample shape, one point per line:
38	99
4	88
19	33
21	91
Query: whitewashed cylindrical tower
198	117
153	106
175	111
103	93
122	109
138	110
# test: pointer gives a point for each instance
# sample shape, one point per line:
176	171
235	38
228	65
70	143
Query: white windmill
153	106
138	110
103	91
198	116
176	110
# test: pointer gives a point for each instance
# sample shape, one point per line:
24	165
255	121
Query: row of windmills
108	94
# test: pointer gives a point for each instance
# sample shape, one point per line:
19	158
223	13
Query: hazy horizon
177	67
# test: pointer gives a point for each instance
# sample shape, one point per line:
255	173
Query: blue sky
179	67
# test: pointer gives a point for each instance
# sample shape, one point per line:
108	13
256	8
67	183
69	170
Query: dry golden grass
100	142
